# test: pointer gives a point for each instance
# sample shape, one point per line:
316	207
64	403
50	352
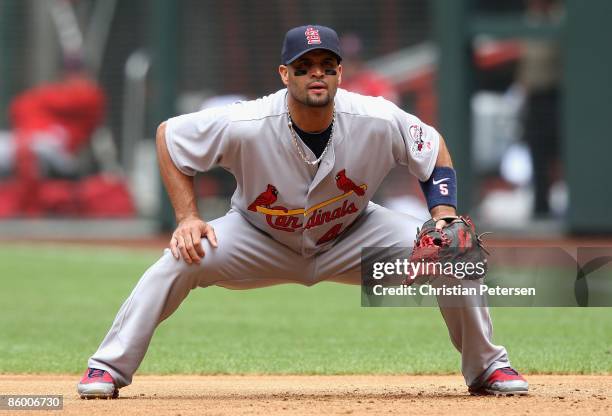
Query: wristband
441	187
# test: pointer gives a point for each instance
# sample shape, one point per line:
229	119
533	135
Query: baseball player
307	159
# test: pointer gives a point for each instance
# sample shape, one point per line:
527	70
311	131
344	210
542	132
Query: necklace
297	145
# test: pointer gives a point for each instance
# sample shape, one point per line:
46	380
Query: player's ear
339	74
283	71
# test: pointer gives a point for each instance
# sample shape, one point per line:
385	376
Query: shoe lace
509	371
95	372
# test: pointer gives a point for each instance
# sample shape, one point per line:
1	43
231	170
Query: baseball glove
454	250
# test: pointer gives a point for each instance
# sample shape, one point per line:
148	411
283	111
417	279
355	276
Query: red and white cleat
97	384
502	382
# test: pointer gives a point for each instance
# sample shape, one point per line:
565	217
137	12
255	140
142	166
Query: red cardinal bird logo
346	185
265	199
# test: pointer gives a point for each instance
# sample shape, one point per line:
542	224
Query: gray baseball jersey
304	207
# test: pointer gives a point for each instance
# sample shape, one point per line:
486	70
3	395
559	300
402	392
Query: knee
177	269
403	238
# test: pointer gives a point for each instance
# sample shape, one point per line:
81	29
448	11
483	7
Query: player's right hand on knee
186	241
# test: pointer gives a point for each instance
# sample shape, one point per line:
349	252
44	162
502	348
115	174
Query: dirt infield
314	395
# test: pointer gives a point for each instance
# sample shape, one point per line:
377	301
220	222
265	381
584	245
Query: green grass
58	302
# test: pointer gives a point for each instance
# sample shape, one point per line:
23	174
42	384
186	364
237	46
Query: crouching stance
307	160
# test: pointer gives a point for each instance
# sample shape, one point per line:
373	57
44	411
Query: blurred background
518	88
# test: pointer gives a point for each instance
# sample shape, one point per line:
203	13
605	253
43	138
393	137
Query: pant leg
471	332
245	258
469	327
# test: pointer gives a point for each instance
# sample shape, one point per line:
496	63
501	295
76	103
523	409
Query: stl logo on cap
312	36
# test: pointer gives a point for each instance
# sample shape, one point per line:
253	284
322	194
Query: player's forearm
178	185
443	160
444	157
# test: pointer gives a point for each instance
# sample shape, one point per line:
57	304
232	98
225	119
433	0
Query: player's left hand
443	214
450	240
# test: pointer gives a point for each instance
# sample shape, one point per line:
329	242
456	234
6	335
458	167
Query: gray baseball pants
248	258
